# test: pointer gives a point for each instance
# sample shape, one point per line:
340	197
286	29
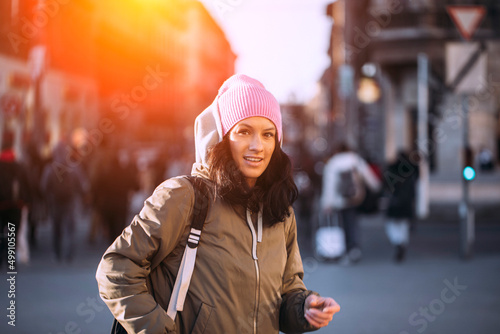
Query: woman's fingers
320	314
330	303
316	321
320	311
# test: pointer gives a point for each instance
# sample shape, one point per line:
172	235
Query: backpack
200	209
350	187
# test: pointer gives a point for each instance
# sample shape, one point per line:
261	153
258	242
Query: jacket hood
207	133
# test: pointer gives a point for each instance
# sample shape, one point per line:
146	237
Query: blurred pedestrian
114	184
14	197
248	271
98	161
38	213
64	184
485	160
401	178
344	179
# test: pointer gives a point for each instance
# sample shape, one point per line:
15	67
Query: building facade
148	67
376	101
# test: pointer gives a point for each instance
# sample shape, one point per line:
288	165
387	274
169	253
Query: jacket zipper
256	297
256	237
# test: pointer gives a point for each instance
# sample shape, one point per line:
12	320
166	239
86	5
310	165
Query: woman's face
252	143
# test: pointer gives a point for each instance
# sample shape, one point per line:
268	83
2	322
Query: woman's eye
244	132
269	134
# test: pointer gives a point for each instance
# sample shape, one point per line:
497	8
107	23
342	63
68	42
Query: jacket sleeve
294	292
126	264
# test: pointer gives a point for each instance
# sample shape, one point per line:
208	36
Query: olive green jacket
240	284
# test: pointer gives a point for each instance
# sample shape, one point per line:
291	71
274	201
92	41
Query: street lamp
368	90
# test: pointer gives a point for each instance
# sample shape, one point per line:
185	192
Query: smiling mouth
253	159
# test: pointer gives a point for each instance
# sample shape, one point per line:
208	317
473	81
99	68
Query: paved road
432	292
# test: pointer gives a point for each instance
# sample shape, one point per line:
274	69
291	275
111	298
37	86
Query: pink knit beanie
242	97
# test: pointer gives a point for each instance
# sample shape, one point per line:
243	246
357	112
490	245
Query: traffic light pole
466	212
422	204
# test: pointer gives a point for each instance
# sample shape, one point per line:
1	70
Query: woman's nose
256	143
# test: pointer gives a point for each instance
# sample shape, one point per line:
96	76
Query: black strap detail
117	328
200	209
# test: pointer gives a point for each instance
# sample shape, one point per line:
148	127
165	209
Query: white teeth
253	159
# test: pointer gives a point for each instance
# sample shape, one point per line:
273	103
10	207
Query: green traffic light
469	173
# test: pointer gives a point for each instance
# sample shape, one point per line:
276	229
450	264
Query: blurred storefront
145	68
69	102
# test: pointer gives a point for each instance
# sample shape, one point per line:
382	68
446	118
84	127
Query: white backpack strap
186	267
182	281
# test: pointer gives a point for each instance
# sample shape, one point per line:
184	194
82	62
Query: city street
432	292
387	106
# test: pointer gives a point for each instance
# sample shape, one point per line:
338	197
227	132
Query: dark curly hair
275	188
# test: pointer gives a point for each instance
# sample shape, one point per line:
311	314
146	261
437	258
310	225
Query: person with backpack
344	178
248	271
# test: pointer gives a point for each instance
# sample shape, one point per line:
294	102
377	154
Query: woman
248	272
402	176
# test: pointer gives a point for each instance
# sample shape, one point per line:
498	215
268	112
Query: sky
282	43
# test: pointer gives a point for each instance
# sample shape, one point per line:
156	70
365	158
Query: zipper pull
254	236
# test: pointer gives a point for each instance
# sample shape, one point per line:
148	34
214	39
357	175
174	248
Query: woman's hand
319	311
